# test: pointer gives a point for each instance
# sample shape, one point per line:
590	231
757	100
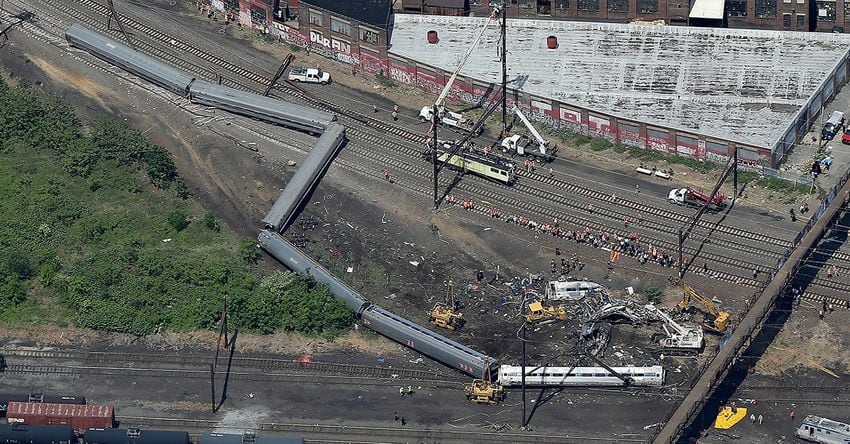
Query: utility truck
539	148
689	196
680	338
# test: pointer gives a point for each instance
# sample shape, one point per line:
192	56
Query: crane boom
463	60
540	140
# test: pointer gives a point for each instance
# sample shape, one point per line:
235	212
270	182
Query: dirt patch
806	342
83	84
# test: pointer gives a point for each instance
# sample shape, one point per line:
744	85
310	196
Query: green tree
211	222
653	294
14	291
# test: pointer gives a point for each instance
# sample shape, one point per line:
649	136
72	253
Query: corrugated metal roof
736	84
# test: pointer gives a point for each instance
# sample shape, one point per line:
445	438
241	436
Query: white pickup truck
309	75
523	146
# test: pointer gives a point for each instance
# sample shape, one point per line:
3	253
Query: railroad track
375	433
374	124
172	374
359	371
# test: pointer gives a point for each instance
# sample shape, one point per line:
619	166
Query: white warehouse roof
735	84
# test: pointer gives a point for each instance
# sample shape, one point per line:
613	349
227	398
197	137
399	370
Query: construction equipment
484	390
445	314
542	314
679	337
715	321
522	146
449	118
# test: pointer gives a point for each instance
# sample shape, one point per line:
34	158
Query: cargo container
79	417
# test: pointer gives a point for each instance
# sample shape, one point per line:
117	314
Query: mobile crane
449	118
522	146
445	314
716	321
679	337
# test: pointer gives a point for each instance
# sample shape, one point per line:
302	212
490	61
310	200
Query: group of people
630	244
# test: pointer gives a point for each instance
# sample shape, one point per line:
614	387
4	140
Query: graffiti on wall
401	72
290	35
428	82
600	127
372	62
332	44
630	135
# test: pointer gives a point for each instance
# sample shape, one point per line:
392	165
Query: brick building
355	28
790	15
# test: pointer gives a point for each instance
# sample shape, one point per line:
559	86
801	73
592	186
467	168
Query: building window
786	21
315	18
647	6
258	15
340	26
562	5
801	21
618	5
544	7
368	36
737	8
232	6
847	11
826	11
765	8
587	5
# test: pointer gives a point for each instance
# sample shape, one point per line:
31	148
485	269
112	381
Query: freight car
129	60
34	434
305	178
134	436
260	107
219	438
79	417
511	376
376	318
6	398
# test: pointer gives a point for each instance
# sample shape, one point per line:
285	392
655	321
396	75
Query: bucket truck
679	337
538	148
451	119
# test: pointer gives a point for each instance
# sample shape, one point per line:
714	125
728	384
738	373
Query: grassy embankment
99	231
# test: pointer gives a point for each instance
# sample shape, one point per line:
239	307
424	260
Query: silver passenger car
260	107
129	60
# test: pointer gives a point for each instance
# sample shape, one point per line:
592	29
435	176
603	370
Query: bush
249	251
385	81
653	294
178	220
599	144
211	222
582	140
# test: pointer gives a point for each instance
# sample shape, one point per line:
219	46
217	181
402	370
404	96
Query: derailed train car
199	91
260	107
129	59
511	376
305	178
6	398
395	327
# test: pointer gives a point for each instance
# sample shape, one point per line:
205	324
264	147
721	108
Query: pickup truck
687	196
309	75
450	119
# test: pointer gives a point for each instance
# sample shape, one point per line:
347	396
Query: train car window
557	375
638	374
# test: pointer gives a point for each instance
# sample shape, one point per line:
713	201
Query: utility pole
505	67
735	176
523	374
434	154
681	247
221	333
114	14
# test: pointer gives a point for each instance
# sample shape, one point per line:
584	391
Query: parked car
845	138
309	75
833	125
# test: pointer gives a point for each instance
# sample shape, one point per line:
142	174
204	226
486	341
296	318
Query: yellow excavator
445	314
542	314
484	390
715	321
